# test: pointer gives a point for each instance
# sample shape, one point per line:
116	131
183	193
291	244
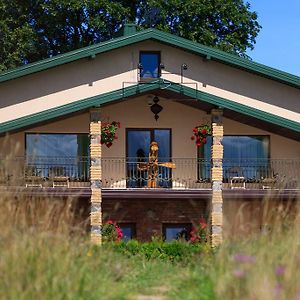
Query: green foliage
16	35
34	30
228	25
111	232
175	251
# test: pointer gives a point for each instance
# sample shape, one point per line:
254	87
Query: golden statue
153	164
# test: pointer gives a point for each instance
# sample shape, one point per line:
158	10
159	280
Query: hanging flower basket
108	132
200	134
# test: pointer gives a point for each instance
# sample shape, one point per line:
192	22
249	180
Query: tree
16	35
225	24
31	30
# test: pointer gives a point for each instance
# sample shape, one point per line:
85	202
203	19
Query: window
138	142
176	231
128	230
245	156
149	62
68	153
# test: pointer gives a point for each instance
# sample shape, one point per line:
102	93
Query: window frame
130	225
158	53
151	136
201	150
188	226
47	168
51	133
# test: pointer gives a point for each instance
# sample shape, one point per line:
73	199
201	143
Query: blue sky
278	42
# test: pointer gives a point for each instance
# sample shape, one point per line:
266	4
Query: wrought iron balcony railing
120	173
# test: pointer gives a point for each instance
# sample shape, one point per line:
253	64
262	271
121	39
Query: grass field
43	256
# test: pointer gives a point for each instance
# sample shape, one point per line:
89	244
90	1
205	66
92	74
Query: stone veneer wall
95	176
217	177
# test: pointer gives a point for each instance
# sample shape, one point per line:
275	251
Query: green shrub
169	251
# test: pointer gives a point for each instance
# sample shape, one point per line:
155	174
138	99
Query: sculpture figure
153	164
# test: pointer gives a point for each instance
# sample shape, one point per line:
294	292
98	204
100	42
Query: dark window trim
158	67
188	226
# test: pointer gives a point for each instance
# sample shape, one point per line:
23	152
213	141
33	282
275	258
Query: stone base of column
217	218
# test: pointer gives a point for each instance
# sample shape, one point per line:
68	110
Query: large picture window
246	156
64	154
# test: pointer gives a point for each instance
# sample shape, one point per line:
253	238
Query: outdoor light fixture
140	66
161	66
184	67
156	108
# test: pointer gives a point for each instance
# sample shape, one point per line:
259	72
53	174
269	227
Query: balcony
124	173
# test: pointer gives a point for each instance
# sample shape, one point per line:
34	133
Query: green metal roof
162	37
144	88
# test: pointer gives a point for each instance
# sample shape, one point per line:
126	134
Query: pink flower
238	273
244	258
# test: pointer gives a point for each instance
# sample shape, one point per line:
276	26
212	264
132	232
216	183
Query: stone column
95	176
217	177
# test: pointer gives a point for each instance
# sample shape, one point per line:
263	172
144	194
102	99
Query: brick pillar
217	177
95	176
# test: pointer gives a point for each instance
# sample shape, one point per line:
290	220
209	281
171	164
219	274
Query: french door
137	151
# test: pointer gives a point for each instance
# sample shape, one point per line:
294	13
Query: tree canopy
31	30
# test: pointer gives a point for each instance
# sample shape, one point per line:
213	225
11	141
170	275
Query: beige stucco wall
135	113
109	71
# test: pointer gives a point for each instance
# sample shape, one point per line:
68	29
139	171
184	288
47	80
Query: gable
163	37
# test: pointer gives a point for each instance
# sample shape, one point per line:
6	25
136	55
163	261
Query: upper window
149	65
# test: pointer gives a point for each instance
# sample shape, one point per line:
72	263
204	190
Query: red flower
204	131
192	138
108	145
204	140
110	222
195	130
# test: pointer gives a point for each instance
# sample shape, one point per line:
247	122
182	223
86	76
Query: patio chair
57	175
269	182
236	177
33	177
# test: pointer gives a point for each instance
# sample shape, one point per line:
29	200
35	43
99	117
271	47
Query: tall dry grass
266	265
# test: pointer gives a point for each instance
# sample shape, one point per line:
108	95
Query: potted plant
108	132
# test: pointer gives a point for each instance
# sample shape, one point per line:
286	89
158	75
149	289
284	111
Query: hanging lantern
156	108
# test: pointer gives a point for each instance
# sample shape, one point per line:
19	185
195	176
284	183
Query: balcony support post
216	206
95	176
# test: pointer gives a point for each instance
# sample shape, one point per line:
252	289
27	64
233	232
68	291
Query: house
159	87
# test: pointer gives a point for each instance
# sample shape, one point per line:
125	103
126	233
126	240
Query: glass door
138	143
